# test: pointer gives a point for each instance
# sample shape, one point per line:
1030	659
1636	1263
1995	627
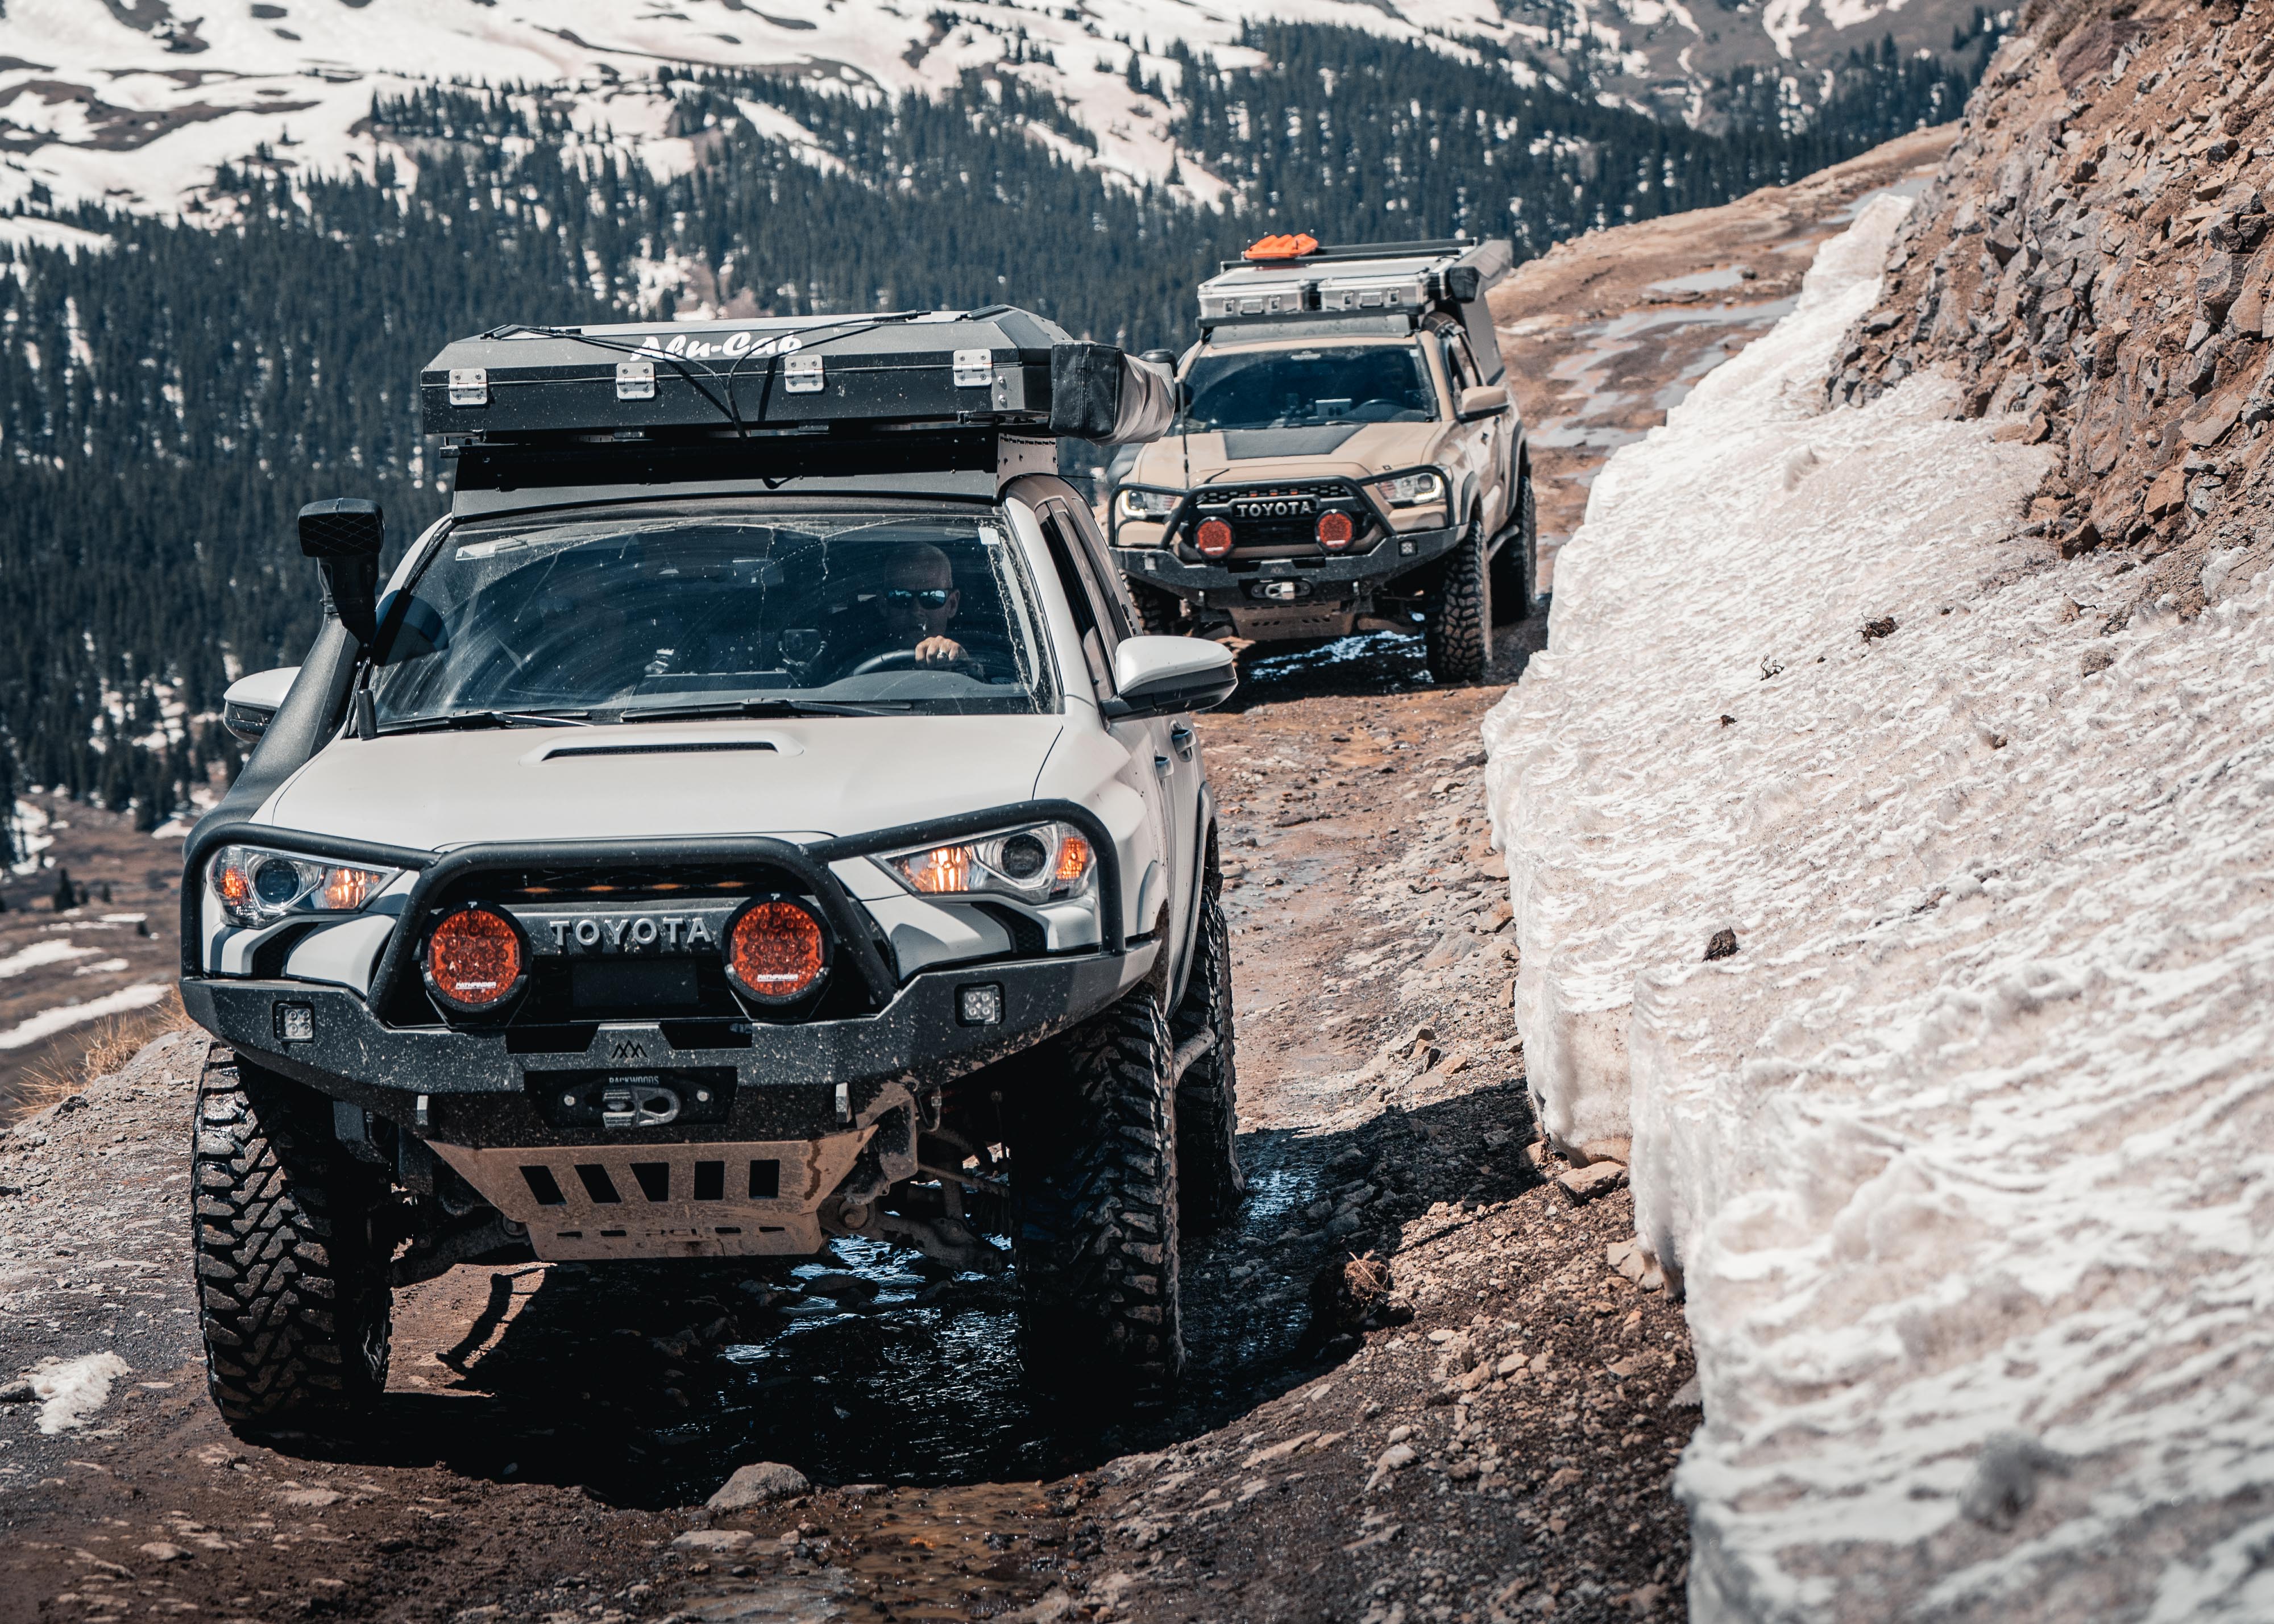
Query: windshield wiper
491	718
765	707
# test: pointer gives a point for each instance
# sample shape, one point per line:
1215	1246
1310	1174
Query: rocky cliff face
2093	264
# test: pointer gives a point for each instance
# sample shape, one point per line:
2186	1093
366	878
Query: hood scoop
1247	445
688	747
672	743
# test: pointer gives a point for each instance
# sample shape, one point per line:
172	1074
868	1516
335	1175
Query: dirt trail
1490	1440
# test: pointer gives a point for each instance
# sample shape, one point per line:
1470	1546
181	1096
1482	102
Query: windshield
531	621
1302	388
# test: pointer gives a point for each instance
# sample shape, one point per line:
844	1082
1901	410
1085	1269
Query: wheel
1093	1198
1209	1183
1515	566
292	1291
1457	630
1159	614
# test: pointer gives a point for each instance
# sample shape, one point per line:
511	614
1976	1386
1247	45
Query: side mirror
1163	676
1483	400
251	701
344	536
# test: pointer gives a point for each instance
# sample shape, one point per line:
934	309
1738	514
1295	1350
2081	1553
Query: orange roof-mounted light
1283	247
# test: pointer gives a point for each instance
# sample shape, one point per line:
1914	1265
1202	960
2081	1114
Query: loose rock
760	1483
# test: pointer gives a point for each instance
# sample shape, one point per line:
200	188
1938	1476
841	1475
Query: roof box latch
469	385
801	375
974	369
634	381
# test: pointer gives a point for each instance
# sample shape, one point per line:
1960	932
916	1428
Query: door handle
1181	736
1161	764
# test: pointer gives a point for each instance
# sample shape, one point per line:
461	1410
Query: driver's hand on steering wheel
938	651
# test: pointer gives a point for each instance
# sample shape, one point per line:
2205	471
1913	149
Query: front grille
1274	519
610	972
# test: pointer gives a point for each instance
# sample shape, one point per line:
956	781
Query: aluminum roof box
1291	277
1285	281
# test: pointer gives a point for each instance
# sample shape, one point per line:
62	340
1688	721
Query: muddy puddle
649	1384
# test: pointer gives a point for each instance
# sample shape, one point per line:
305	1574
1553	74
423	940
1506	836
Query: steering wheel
904	659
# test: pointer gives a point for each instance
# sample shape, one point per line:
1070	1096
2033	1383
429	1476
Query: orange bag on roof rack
1283	247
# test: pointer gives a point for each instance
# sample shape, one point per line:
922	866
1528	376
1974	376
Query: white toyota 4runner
748	818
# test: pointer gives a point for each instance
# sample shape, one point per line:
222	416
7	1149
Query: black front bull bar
1030	986
1217	583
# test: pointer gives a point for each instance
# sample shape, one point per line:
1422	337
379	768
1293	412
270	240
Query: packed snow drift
1962	1151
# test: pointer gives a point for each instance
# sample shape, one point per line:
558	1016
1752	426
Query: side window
1093	613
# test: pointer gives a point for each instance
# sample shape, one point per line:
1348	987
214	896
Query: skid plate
586	1201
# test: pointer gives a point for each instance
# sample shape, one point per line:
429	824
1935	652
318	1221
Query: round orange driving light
1213	538
474	959
776	952
1336	530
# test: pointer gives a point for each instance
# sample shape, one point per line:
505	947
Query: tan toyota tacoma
1347	456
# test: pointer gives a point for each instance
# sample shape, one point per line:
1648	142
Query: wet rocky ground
1487	1427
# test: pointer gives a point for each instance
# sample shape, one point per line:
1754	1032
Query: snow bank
1965	1150
72	1390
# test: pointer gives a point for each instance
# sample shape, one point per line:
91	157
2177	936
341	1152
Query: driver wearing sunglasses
919	601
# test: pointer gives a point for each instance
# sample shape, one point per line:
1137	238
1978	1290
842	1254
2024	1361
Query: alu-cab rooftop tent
723	403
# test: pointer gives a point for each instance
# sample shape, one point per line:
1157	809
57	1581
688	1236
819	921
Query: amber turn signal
1282	245
776	953
1213	538
474	960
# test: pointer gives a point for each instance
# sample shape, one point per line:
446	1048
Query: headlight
1041	864
256	887
1155	506
1412	490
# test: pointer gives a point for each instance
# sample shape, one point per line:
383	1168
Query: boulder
760	1483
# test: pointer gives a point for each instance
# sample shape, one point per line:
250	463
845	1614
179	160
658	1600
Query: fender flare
1205	826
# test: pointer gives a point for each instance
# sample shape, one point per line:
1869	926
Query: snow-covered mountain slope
1917	924
134	102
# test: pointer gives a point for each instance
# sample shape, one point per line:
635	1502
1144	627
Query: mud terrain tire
1515	566
1209	1183
292	1293
1159	614
1456	635
1093	1192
